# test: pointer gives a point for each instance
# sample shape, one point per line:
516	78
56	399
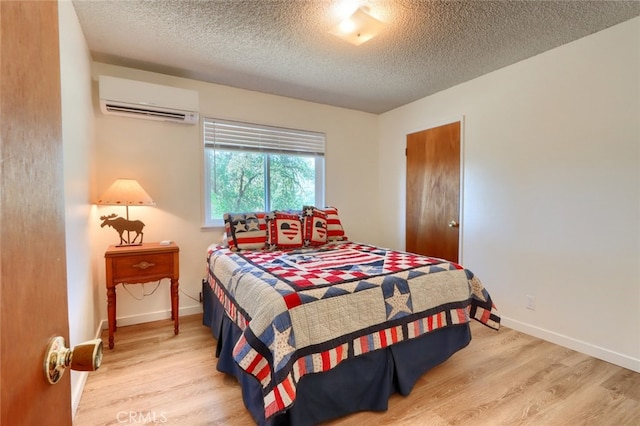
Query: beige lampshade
126	192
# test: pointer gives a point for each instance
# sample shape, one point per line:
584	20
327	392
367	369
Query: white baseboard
77	386
575	344
152	316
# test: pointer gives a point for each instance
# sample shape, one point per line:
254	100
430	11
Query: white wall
77	141
551	201
166	158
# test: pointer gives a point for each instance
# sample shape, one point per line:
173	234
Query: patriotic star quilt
306	310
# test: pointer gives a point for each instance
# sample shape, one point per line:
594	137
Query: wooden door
433	192
33	289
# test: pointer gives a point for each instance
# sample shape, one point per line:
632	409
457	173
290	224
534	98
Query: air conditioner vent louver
139	99
140	111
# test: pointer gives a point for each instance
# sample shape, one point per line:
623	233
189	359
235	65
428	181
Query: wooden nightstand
138	265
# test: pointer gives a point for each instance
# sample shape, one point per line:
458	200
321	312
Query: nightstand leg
174	305
111	313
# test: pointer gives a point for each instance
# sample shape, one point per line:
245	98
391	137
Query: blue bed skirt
364	383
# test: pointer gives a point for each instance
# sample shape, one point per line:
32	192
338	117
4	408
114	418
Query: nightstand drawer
142	267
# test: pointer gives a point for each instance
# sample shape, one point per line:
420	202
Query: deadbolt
453	224
86	356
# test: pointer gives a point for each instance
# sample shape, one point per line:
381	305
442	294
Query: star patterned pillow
246	231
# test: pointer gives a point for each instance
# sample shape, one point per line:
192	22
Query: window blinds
235	135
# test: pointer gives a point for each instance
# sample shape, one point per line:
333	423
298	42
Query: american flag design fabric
314	226
306	310
335	231
246	231
284	230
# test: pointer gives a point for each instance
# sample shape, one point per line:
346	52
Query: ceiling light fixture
358	28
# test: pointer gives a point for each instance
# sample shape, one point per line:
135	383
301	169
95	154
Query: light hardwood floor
501	378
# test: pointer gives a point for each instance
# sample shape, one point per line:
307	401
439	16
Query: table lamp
127	192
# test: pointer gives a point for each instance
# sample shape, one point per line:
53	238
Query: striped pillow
246	231
335	232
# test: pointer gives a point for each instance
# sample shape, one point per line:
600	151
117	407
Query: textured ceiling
284	47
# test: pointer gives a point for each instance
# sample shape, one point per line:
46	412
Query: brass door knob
86	356
453	224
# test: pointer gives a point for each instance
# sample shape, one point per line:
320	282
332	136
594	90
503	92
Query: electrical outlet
531	302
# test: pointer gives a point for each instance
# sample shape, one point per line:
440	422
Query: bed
319	330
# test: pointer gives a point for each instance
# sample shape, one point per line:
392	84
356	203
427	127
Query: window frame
276	140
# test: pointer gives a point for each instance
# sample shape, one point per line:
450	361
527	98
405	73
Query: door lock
86	356
453	224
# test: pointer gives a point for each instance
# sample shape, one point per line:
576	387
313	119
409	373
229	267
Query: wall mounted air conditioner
138	99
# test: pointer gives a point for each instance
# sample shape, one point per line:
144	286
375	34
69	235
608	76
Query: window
250	167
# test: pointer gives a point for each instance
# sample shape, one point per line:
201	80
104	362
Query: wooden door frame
431	125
